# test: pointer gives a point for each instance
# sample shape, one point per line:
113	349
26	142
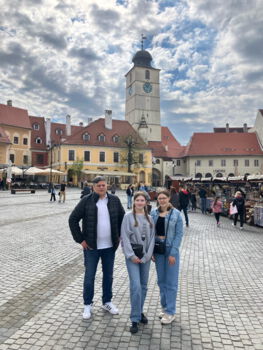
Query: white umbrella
16	171
33	171
48	171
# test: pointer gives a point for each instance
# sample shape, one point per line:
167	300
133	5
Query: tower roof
142	58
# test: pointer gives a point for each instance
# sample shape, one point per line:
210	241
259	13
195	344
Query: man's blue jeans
203	205
91	259
167	278
138	275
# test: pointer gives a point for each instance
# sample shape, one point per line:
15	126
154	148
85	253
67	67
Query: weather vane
143	38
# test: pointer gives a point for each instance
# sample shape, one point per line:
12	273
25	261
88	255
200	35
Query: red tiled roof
169	147
56	137
204	144
38	133
121	128
14	116
3	136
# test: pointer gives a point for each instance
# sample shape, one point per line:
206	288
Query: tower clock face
147	87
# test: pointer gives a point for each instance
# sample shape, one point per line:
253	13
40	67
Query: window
256	162
101	138
210	163
116	157
147	74
157	161
86	156
140	158
25	159
38	140
178	162
198	163
223	162
86	136
12	158
102	156
246	162
235	162
71	154
24	141
59	131
36	126
16	140
115	138
40	159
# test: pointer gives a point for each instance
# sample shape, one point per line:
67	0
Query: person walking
129	193
101	214
137	235
239	202
113	188
174	198
202	195
86	190
184	202
168	232
62	192
216	207
52	193
193	200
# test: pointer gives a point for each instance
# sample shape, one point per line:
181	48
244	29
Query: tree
131	156
76	168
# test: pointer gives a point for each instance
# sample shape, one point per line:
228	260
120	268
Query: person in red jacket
217	209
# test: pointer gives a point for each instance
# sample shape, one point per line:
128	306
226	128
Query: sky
71	57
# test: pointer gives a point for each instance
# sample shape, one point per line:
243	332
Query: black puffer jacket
240	203
87	211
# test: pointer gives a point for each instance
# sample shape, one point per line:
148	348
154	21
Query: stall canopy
236	178
14	170
255	177
48	171
33	171
108	173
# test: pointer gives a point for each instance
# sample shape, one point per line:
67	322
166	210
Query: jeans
167	279
138	276
185	215
91	259
129	200
241	215
203	205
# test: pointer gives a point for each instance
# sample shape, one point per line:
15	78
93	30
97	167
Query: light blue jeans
167	278
129	202
138	275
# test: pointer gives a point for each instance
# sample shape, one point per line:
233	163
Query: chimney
227	127
245	127
9	103
68	125
80	124
89	120
48	131
108	119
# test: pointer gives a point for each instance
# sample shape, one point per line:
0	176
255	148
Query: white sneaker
241	228
167	319
111	308
233	224
161	314
87	311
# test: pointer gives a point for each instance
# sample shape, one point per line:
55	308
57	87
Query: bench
14	190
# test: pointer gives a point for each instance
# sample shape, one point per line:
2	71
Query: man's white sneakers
167	319
87	312
111	308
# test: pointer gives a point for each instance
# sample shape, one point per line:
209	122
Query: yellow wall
4	153
19	150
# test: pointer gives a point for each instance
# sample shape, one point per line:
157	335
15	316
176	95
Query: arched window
219	175
115	138
231	174
208	175
86	136
198	175
101	138
147	74
38	140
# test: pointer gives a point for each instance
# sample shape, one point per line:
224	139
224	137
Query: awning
235	178
33	171
219	178
254	177
108	173
48	171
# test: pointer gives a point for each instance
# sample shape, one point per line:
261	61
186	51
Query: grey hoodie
133	234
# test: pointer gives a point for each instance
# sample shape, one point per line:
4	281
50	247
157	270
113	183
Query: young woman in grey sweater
138	228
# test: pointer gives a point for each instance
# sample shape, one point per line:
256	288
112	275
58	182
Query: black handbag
160	244
138	250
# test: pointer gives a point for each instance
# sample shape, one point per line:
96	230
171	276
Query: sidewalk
220	301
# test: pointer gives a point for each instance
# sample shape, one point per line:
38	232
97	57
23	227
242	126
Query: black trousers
241	215
217	216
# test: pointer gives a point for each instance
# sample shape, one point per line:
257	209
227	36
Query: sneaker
111	308
144	319
167	319
233	224
218	224
87	311
134	327
241	228
161	314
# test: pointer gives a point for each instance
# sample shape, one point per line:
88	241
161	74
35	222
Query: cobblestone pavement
220	301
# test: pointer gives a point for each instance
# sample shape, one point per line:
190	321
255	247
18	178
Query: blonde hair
238	193
138	194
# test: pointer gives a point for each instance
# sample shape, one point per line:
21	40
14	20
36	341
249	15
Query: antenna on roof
143	38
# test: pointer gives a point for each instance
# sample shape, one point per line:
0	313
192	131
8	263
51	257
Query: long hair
167	194
216	199
138	194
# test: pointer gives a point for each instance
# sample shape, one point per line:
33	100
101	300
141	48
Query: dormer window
86	136
38	140
101	138
116	138
36	126
59	131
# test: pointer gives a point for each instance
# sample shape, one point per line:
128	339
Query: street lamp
49	148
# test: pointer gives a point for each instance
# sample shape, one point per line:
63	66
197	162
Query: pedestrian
62	192
86	190
202	195
168	235
239	202
113	188
216	207
101	214
193	200
174	197
184	202
129	193
52	192
137	234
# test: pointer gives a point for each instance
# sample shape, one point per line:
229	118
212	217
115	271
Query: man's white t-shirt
103	225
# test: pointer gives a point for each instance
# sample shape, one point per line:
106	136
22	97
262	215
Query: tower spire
143	38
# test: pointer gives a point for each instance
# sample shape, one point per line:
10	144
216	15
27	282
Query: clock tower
142	107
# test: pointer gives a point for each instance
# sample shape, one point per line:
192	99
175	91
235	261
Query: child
217	209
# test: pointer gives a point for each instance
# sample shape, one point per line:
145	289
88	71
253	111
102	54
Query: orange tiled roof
205	144
14	116
169	147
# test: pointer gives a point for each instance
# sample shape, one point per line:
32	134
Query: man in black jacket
101	214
